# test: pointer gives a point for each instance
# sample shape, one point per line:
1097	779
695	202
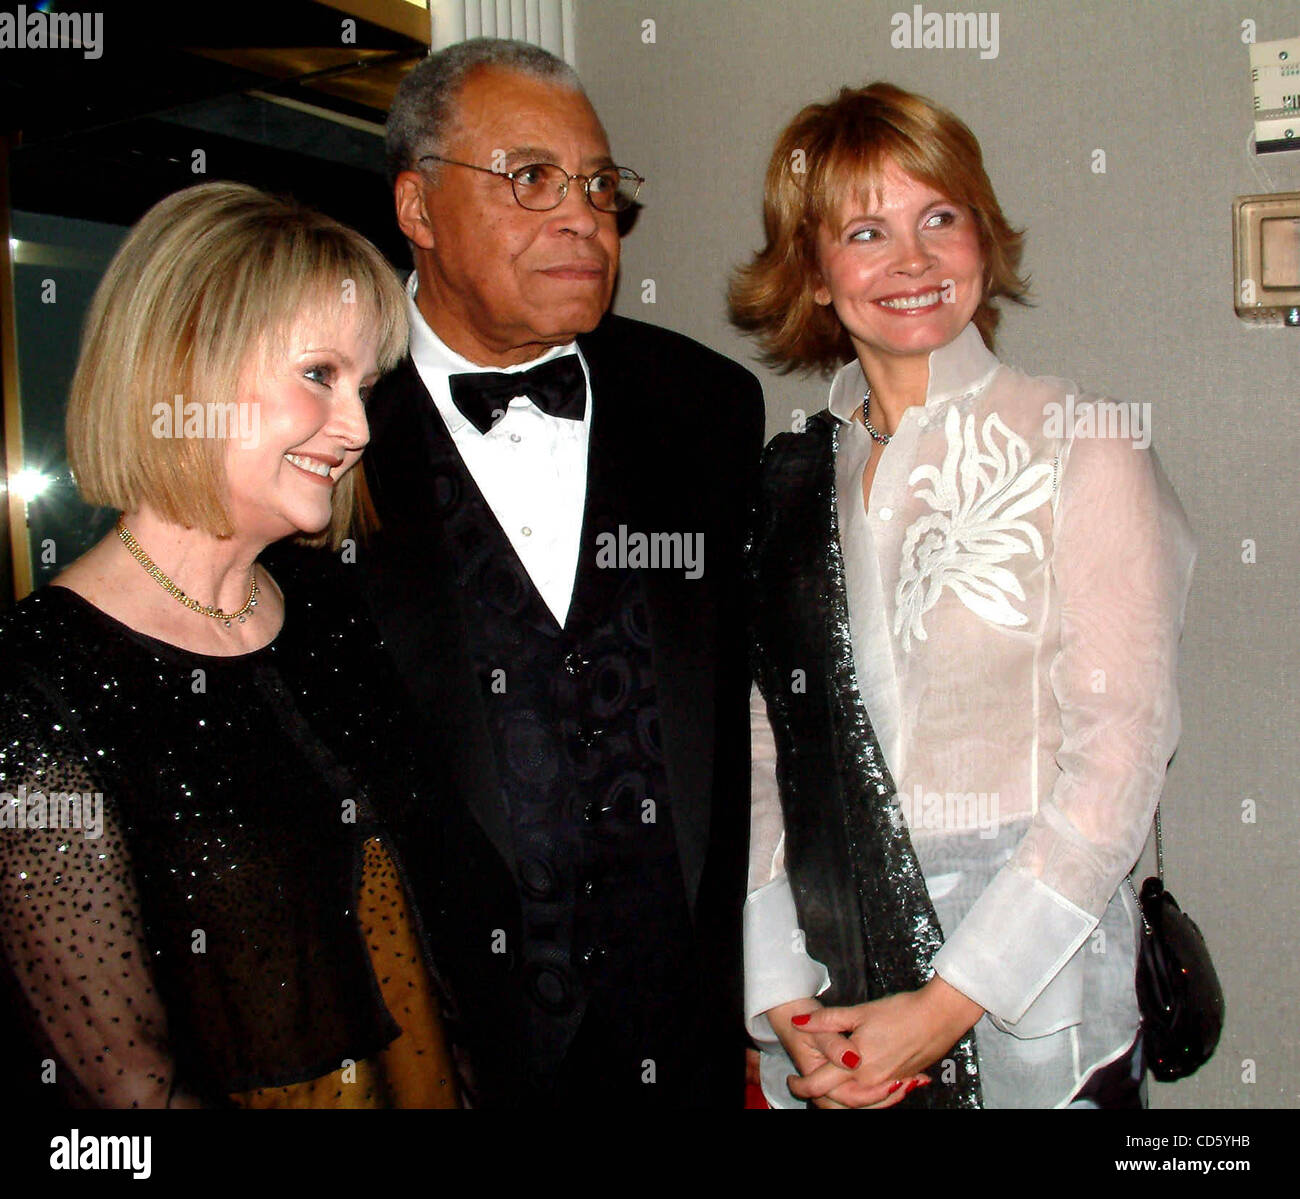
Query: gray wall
1132	281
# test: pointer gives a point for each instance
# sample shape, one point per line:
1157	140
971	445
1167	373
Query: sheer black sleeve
70	928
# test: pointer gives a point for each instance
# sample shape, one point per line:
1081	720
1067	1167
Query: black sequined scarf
862	901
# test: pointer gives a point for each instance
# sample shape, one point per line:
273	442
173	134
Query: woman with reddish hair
967	608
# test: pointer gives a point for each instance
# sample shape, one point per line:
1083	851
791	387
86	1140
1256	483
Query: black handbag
1177	988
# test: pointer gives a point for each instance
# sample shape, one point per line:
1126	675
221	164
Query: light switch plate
1266	257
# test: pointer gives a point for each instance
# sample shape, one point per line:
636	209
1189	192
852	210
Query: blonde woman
199	899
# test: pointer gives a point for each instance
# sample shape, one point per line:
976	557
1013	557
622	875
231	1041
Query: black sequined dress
196	929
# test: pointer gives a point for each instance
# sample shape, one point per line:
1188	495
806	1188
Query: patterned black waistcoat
574	722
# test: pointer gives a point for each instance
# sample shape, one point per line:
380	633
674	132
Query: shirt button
886	513
515	437
526	531
923	422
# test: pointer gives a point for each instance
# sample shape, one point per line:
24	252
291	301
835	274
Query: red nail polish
851	1060
911	1086
923	1082
893	1086
800	1021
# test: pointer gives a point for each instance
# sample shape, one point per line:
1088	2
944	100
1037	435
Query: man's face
498	283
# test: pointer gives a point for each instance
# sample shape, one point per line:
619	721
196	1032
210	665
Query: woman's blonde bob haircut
831	153
208	284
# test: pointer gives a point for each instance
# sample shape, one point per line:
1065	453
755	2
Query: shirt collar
436	362
958	369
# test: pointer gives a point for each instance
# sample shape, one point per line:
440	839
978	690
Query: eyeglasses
541	186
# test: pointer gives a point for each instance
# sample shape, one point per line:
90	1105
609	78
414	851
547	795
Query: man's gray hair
424	108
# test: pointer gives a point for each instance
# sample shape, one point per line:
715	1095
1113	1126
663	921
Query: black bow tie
557	387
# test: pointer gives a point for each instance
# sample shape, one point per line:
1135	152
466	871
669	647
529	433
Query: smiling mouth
312	466
926	299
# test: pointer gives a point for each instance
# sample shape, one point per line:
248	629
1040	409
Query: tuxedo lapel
609	489
420	608
484	562
633	480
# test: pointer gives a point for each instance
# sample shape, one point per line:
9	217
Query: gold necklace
136	550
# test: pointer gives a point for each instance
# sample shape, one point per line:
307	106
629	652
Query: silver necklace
876	435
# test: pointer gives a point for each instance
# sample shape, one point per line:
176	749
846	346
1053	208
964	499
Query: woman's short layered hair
836	151
209	283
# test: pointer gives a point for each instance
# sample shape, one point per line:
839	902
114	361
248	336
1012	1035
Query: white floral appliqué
979	497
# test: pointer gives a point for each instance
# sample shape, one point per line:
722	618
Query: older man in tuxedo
564	497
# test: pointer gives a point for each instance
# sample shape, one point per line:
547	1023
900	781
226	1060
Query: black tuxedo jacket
675	442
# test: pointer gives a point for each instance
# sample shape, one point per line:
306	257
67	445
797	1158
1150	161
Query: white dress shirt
1015	593
530	467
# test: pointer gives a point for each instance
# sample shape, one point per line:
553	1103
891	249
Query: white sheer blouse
1016	594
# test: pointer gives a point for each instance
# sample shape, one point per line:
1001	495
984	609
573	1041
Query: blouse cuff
1014	941
774	1067
777	966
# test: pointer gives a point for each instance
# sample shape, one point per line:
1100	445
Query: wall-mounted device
1266	254
1275	76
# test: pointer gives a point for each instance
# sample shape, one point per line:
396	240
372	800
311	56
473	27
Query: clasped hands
872	1054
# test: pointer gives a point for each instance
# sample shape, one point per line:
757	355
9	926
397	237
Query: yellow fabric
415	1070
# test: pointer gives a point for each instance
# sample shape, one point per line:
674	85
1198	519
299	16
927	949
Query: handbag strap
1160	873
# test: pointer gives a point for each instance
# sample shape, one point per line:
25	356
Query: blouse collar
958	369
